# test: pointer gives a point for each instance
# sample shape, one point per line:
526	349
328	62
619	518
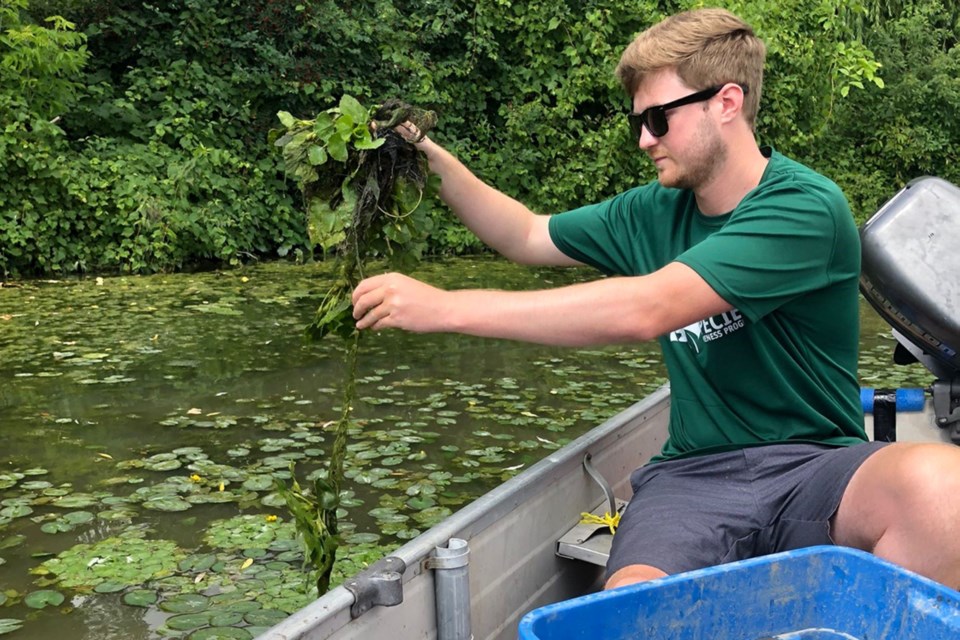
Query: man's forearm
594	313
608	311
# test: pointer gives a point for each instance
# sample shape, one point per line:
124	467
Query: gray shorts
699	512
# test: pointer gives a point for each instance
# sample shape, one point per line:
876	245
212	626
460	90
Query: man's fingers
370	304
364	307
410	132
395	301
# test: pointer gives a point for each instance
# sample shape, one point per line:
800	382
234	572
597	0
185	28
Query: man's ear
731	101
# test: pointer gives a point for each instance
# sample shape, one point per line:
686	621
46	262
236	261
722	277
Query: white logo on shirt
708	330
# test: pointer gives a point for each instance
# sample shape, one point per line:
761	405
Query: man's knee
903	481
903	505
632	574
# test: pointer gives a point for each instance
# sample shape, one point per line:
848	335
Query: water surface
162	405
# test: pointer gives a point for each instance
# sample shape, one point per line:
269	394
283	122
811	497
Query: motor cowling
911	275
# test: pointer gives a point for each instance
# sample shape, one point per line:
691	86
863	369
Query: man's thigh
684	514
699	512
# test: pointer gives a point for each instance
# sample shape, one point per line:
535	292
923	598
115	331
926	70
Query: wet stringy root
387	183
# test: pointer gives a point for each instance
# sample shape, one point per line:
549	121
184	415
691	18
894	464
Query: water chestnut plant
367	195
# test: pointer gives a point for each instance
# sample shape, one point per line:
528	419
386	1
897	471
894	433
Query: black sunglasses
655	118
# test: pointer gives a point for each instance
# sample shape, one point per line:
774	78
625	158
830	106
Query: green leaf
337	147
188	621
344	126
141	598
12	541
335	315
17	511
110	587
349	106
369	143
325	225
222	633
323	126
286	119
317	156
9	625
186	603
43	598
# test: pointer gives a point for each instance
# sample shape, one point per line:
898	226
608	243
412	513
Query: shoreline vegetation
136	136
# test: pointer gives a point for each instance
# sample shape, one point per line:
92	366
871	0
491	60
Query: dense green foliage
135	136
882	139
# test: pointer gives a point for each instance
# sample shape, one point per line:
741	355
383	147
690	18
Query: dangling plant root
367	193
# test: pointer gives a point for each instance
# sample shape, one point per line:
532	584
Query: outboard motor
911	276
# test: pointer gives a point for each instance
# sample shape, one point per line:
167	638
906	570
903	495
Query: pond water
144	420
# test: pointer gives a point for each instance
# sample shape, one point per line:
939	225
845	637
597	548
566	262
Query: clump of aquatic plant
367	193
315	517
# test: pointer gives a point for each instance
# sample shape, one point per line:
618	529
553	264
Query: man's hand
395	301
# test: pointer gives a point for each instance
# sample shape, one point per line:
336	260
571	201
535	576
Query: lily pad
127	559
43	598
117	514
221	633
76	501
242	606
362	538
225	618
78	517
188	621
18	511
9	625
198	562
163	465
141	598
12	541
57	526
258	483
185	603
167	503
36	485
265	617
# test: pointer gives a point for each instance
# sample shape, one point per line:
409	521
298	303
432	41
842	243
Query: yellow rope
612	522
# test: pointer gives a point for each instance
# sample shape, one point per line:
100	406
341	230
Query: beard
699	163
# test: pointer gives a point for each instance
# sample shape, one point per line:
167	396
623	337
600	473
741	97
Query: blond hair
705	47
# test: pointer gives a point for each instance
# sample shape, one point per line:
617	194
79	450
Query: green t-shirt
781	366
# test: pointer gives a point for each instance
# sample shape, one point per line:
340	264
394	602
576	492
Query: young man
744	265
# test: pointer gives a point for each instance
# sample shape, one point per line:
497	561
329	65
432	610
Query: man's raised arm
502	223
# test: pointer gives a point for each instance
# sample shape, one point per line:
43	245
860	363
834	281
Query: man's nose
647	139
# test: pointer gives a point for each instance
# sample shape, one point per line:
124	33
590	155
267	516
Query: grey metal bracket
946	406
381	584
600	480
591	542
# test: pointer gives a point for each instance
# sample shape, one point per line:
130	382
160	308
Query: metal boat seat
589	542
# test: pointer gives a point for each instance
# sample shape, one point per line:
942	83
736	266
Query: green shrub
160	157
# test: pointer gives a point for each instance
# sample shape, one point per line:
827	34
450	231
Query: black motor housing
911	270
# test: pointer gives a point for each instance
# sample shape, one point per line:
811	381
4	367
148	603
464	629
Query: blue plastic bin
820	593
